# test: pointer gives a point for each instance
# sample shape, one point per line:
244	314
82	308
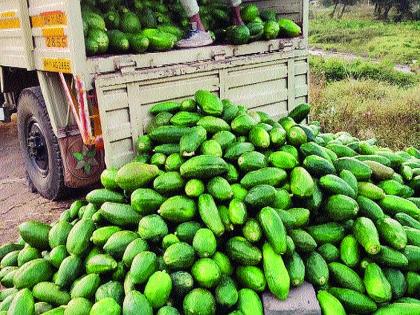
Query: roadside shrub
368	108
334	69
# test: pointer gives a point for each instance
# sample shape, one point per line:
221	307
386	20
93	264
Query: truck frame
77	115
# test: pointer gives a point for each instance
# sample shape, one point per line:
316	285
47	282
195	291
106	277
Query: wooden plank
262	73
301	79
300	100
120	152
178	88
115	99
152	61
224	82
290	84
118	125
301	67
136	112
276	110
282	6
305	21
122	131
301	90
258	94
174	72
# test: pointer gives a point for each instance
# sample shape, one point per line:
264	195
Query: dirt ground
17	203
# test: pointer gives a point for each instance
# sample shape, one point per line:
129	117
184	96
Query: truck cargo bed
271	76
111	63
272	82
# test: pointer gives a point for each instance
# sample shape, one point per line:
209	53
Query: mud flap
83	165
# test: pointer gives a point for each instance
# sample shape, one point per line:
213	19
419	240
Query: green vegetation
335	70
367	99
360	33
368	108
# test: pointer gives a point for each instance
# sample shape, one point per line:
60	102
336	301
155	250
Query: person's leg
197	36
192	10
236	12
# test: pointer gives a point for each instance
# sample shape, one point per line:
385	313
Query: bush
335	70
367	109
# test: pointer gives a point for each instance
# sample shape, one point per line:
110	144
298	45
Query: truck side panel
15	35
274	83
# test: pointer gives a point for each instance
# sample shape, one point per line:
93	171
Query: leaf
88	169
78	156
91	154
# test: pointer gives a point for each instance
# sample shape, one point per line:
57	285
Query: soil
17	203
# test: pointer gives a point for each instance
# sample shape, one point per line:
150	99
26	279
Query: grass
358	32
367	99
368	108
333	69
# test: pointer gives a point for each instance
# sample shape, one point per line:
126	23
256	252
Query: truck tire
39	145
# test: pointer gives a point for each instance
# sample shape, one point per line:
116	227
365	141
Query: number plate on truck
49	18
9	20
55	37
57	65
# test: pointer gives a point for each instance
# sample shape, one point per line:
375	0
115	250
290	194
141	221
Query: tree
344	4
403	7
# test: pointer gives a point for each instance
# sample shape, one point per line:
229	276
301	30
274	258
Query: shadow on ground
17	203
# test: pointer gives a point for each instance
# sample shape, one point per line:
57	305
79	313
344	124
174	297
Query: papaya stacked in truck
220	205
145	25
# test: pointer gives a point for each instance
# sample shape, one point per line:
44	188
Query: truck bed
112	63
48	35
270	76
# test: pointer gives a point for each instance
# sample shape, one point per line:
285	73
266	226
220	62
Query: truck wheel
39	145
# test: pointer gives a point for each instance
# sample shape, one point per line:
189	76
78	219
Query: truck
77	114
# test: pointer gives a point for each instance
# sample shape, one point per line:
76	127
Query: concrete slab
301	300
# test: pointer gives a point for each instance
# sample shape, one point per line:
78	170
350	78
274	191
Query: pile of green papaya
221	204
111	27
151	25
262	25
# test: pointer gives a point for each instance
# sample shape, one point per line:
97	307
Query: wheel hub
37	150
